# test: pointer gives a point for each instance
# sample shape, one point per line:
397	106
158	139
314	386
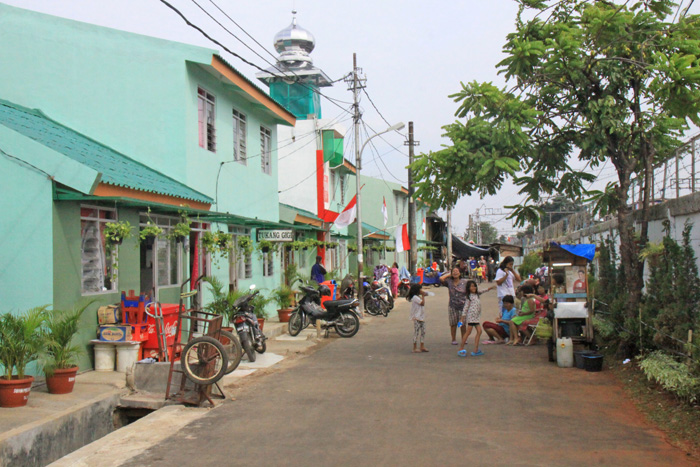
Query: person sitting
540	313
499	331
527	311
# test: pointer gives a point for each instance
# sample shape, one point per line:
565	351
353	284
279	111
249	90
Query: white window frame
167	223
240	137
206	115
268	260
114	282
266	150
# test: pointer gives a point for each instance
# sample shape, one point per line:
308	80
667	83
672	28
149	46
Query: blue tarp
584	250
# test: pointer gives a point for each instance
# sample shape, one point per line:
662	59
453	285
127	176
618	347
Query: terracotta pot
261	322
15	392
284	314
62	380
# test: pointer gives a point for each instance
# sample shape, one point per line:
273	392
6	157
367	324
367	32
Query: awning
464	250
197	215
584	250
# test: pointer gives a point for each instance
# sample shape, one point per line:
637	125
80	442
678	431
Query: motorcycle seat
337	303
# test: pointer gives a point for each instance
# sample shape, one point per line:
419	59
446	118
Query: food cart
568	283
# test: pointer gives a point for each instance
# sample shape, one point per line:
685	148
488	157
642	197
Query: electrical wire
364	89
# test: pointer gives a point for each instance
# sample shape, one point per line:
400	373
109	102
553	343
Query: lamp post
360	254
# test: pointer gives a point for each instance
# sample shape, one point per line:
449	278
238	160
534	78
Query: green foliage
217	244
182	229
283	296
259	303
149	230
291	275
673	376
61	326
116	232
244	245
531	262
266	245
22	337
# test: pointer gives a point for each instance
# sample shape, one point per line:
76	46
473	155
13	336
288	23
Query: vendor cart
568	283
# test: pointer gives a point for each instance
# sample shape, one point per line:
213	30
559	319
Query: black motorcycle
339	314
251	337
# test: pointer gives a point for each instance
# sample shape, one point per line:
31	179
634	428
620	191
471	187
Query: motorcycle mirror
252	287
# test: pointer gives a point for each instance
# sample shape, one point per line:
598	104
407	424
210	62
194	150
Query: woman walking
458	296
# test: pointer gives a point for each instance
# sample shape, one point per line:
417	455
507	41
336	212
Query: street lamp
360	254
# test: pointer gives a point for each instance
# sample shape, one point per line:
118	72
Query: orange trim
251	90
120	191
308	220
379	236
349	166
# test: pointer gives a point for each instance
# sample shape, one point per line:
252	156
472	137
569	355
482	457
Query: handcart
431	277
568	279
203	358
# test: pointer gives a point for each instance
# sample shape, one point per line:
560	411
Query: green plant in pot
116	232
182	229
244	245
259	303
217	244
149	232
283	296
22	337
265	246
60	354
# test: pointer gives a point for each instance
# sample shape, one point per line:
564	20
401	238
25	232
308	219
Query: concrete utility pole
356	86
413	252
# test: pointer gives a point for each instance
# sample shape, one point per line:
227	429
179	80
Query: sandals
462	353
477	354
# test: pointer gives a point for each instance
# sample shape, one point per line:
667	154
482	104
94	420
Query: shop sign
276	235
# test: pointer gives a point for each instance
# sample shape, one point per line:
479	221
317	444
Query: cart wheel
204	360
234	351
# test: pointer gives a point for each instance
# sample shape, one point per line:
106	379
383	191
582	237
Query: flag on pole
402	241
348	215
384	211
424	226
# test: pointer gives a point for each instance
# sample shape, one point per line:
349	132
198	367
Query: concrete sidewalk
51	426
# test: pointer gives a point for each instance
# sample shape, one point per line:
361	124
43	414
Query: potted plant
332	245
265	246
284	297
222	303
182	229
217	244
21	339
149	232
244	245
116	232
259	303
352	248
59	353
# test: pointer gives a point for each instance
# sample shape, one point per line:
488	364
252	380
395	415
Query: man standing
318	272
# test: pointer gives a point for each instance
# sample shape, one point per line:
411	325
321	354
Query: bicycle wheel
204	360
234	351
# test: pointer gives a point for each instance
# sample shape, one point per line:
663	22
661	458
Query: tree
489	233
591	81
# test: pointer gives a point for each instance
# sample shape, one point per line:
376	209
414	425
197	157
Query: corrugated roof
116	168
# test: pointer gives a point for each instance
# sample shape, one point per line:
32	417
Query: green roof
116	168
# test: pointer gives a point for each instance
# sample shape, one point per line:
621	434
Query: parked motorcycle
384	289
249	332
404	286
378	299
339	314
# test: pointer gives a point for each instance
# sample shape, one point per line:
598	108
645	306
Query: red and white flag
424	226
348	215
402	241
384	211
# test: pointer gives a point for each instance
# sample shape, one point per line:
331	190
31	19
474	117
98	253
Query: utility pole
413	252
356	86
448	260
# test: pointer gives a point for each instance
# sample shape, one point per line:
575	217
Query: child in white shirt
416	296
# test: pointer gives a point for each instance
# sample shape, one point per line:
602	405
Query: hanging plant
332	245
218	244
182	229
311	243
149	231
265	246
244	245
376	248
296	245
390	248
116	232
352	248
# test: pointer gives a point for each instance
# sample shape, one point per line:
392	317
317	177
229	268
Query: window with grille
341	178
207	119
266	150
98	273
239	137
268	263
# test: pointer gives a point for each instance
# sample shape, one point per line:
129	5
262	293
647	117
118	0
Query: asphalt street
369	400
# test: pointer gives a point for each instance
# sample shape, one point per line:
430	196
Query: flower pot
15	392
62	380
261	322
265	249
180	238
284	314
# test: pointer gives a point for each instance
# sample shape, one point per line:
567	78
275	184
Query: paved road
370	401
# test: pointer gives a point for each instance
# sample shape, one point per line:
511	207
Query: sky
414	53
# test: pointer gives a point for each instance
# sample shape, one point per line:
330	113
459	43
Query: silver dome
294	43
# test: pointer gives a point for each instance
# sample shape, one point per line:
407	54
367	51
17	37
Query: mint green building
99	126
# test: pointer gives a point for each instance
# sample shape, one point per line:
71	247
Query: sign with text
276	235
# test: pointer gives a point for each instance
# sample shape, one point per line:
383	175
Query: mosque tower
294	81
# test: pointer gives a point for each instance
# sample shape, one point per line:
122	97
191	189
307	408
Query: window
341	177
207	119
166	251
99	272
268	263
239	137
266	150
343	248
396	203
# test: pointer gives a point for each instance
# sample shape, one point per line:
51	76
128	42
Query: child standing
417	298
471	317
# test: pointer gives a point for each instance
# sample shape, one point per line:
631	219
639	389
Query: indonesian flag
402	242
348	215
384	211
424	226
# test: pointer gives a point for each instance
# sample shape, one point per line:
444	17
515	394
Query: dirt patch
679	422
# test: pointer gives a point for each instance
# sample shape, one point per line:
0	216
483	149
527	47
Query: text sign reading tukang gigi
276	235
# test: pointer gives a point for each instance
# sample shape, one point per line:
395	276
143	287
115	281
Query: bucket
565	352
578	357
127	355
104	356
593	362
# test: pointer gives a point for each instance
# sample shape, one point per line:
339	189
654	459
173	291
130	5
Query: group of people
479	270
464	308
